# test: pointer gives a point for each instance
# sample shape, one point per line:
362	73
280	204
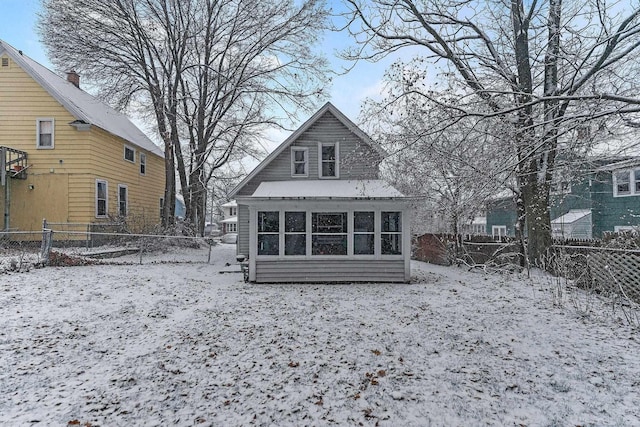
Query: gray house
315	209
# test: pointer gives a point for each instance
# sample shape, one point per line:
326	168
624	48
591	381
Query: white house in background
575	224
230	217
315	209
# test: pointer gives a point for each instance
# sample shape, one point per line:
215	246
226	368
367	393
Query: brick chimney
74	78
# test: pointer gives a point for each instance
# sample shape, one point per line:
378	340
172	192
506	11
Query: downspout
5	181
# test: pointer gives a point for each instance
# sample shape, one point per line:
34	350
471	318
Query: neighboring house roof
352	189
84	107
624	164
306	125
571	216
230	220
230	204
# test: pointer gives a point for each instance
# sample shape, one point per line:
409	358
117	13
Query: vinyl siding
63	178
608	211
357	159
327	270
243	230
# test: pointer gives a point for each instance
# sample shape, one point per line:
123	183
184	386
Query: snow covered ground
165	344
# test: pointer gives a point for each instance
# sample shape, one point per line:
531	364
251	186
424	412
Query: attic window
44	133
299	162
5	61
328	160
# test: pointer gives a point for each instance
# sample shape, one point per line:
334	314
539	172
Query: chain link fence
23	250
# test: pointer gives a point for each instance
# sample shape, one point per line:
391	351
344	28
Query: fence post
45	249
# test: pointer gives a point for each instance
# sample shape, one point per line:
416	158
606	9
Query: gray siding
357	159
327	270
243	230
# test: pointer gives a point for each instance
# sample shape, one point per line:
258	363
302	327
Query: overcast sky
18	28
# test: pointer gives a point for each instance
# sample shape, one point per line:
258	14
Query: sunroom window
329	233
268	233
295	233
391	233
363	233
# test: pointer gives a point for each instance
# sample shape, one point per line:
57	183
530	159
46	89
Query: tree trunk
538	222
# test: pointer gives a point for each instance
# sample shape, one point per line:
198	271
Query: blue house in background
604	198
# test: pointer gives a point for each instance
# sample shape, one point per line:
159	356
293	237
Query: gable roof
84	107
328	107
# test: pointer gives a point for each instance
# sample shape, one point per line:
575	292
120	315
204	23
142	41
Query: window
636	180
328	160
363	233
129	154
122	200
143	164
232	227
391	233
44	137
268	233
621	183
299	162
161	206
498	231
233	211
295	233
329	233
101	198
5	61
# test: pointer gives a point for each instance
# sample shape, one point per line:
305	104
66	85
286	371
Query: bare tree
214	72
540	67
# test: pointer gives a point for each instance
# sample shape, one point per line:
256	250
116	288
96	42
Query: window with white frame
626	183
363	233
498	231
299	162
233	211
44	133
329	233
391	233
129	154
123	200
328	160
295	233
143	164
268	233
232	227
102	206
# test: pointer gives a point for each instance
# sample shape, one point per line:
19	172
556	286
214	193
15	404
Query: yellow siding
63	178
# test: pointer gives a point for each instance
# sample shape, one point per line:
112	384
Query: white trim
106	199
39	120
124	153
305	150
631	175
498	228
126	200
336	160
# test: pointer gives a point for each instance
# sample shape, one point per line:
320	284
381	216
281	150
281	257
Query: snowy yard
169	344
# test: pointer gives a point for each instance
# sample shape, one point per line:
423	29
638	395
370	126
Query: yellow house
67	157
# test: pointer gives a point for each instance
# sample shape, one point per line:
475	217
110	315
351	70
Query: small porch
13	165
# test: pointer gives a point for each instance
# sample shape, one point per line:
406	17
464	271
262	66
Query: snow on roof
230	220
571	216
627	163
326	189
230	204
80	104
306	125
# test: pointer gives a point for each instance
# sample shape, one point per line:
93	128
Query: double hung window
328	156
101	198
143	164
391	233
299	162
363	233
44	133
295	233
329	233
129	154
122	200
269	233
